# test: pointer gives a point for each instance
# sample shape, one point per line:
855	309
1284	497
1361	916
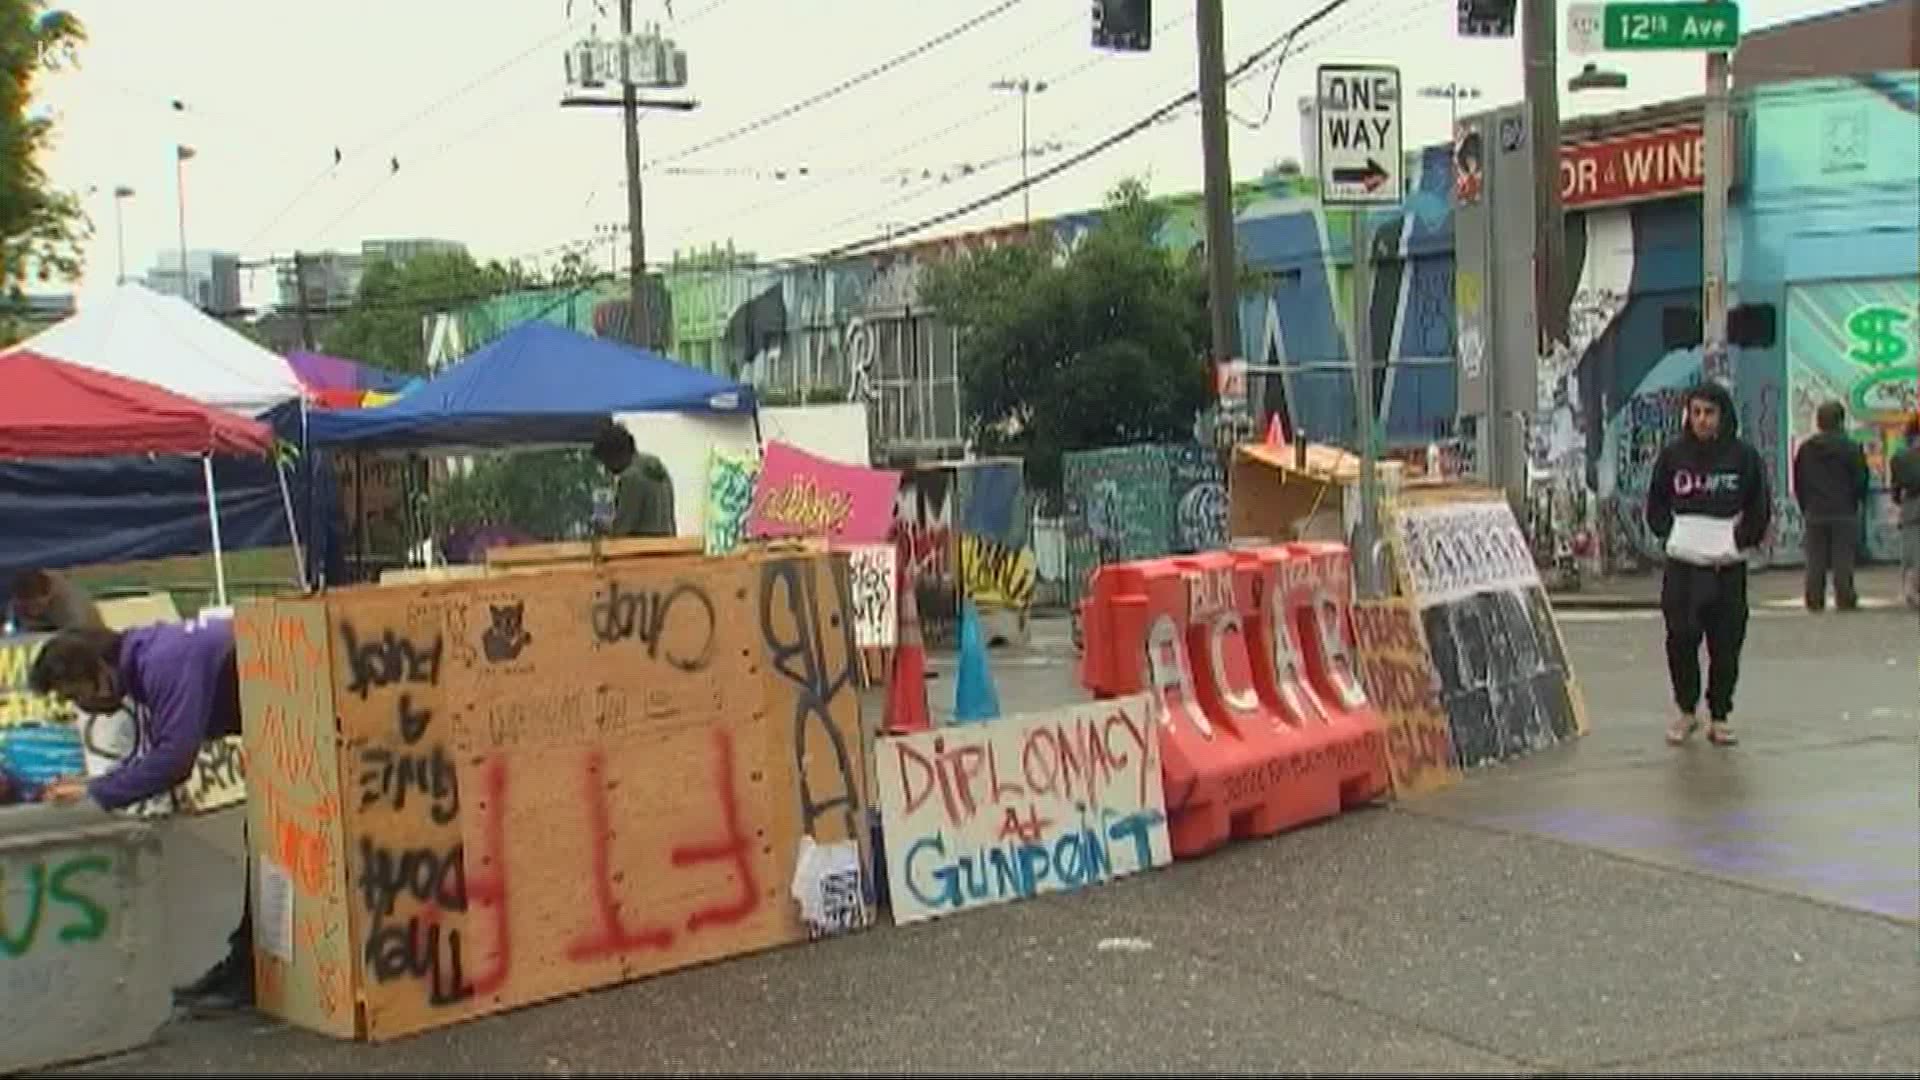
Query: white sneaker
1682	729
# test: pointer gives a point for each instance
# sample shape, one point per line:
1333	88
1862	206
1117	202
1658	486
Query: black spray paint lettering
388	775
800	656
387	660
620	615
419	947
220	765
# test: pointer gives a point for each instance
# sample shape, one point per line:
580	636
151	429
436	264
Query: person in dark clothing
1708	503
1905	475
184	686
643	492
44	601
1830	484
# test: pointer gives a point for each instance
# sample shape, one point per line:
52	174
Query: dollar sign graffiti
1877	341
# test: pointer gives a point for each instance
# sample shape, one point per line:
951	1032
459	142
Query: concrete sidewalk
1879	588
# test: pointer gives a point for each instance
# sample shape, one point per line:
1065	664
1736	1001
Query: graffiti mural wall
1829	239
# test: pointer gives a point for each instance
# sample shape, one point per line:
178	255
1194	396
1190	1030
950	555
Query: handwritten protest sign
802	495
1399	679
1021	806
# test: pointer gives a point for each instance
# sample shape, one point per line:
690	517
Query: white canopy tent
140	334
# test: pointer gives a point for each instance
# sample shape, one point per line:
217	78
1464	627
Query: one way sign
1360	154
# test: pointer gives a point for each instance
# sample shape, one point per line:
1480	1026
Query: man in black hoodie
642	493
1708	503
1830	483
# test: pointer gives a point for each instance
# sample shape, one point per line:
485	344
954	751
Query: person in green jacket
642	491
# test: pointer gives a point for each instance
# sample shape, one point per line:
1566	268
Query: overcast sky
464	94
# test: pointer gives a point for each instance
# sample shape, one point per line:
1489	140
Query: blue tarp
539	383
75	513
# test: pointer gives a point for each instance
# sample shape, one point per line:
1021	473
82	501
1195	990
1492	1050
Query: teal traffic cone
974	698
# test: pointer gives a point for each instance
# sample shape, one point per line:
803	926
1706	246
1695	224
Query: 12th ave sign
1360	151
1648	26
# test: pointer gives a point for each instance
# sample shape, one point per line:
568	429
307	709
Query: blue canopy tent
539	384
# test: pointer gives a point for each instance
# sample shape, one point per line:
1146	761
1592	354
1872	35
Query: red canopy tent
56	409
53	409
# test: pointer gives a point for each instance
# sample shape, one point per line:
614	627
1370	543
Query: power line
839	88
1001	105
1089	153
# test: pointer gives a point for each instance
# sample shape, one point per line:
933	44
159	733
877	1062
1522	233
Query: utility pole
642	326
300	300
180	156
1713	219
1222	293
1506	445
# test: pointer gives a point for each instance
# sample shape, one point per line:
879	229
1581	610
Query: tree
1104	349
384	325
41	229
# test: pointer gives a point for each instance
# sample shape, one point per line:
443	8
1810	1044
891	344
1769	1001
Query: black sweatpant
1832	544
1711	604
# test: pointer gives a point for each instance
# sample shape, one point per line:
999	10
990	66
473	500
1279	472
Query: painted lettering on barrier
49	902
1023	869
996	574
819	662
676	624
1022	806
409	871
1345	757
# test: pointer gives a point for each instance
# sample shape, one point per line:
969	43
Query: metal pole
1367	533
1549	235
1713	217
119	237
213	523
180	191
642	328
1223	297
1026	194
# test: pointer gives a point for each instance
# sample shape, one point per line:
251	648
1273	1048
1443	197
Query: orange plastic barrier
1246	752
1303	644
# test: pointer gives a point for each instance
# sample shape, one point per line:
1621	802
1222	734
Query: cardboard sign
1021	806
799	494
1399	679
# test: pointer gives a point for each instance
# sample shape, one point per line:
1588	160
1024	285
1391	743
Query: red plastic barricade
1300	608
1233	765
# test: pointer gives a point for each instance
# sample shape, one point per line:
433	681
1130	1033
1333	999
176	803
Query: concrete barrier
83	961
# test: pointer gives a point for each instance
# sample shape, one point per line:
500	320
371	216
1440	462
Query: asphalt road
1615	905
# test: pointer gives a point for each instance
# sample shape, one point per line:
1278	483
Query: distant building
1874	37
212	281
332	280
404	250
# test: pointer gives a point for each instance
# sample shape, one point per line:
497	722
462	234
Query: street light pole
1025	87
1713	219
181	153
121	193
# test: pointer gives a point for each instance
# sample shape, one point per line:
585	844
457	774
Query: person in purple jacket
184	688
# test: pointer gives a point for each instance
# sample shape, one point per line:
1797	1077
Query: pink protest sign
803	495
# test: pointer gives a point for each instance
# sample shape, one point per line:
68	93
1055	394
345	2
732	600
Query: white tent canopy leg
213	522
293	527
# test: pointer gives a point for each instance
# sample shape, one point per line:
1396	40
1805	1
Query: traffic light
1487	18
1123	25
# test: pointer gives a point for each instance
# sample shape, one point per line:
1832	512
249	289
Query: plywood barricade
1263	727
544	783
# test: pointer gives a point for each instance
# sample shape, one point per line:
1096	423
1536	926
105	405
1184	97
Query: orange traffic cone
1276	431
907	689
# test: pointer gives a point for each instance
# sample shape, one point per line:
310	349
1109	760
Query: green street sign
1671	26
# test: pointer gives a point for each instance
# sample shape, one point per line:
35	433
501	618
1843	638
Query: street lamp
121	193
1592	78
1452	92
181	154
1025	87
